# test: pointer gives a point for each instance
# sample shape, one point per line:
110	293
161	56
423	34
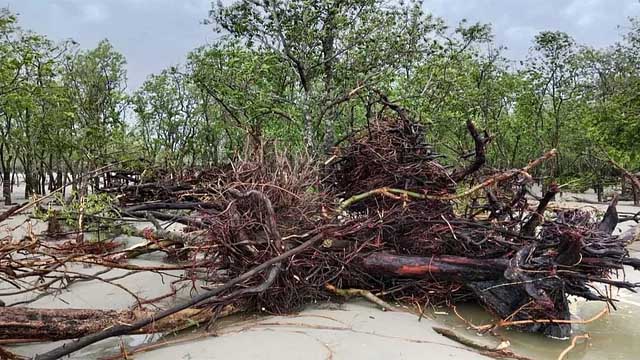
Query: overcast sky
154	34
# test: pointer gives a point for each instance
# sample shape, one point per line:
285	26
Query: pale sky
155	34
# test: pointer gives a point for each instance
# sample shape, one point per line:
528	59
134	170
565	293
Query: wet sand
351	331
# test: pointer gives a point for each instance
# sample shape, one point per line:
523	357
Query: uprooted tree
382	215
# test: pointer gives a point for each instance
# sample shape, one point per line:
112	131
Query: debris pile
383	215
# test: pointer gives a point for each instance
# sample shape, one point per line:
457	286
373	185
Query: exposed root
482	349
574	341
366	294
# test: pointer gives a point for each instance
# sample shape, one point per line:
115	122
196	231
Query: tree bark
19	324
6	186
6	176
438	268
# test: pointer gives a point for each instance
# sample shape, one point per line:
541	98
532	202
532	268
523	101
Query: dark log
147	186
504	298
500	284
185	220
29	324
160	240
438	268
634	263
610	220
480	157
536	219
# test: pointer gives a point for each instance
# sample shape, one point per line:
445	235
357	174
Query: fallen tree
382	215
19	324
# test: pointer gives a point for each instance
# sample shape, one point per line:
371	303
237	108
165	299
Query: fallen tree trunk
19	324
159	240
437	267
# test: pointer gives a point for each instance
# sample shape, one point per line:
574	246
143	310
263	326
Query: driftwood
482	349
29	324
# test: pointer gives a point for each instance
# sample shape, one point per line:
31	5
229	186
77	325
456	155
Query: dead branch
480	158
123	329
483	349
574	341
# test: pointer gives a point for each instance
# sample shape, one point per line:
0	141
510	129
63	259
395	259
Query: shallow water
612	336
352	331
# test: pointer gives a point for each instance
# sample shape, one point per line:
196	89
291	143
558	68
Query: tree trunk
43	182
438	268
15	177
19	324
308	125
599	189
107	179
6	177
328	52
64	180
96	184
28	183
52	181
6	186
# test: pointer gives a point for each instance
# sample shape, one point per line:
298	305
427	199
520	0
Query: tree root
574	340
482	349
503	323
347	293
395	193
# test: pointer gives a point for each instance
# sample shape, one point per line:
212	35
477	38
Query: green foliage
97	210
292	77
61	110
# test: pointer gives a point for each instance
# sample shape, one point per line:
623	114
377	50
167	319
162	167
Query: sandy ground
353	331
328	331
